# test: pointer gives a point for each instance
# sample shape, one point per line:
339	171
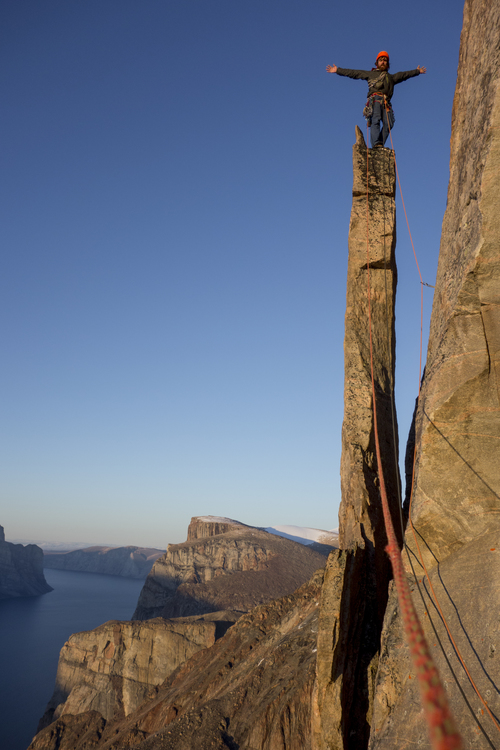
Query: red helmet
382	54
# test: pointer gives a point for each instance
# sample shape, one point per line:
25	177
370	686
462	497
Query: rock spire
360	514
355	588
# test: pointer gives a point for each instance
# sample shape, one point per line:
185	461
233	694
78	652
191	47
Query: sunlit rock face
112	668
371	290
203	526
21	570
457	471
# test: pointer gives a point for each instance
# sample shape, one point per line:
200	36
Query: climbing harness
368	109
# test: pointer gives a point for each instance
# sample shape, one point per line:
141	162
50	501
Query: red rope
442	730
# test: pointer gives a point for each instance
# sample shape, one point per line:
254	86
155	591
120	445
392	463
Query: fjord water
33	631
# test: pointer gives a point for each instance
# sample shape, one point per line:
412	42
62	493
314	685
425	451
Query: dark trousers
379	129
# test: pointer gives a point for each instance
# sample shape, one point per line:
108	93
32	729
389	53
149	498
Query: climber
380	90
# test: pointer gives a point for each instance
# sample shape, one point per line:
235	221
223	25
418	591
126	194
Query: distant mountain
129	562
57	546
225	565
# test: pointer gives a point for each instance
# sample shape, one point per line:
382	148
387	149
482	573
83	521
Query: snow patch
305	535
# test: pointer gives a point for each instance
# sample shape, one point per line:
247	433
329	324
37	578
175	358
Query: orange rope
434	595
442	729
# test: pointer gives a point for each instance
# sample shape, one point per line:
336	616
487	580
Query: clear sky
175	196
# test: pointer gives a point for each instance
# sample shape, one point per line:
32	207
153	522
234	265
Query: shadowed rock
238	569
21	570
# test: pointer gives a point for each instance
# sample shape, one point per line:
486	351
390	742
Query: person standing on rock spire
378	110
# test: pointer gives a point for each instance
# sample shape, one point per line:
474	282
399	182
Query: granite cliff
130	562
21	570
457	478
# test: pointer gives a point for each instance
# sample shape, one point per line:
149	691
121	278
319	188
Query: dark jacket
381	82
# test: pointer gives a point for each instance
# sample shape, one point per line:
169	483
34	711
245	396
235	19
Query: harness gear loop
368	109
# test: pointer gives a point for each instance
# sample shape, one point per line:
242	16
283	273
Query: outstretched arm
331	68
405	74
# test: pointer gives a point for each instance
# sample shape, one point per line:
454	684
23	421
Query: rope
441	725
421	560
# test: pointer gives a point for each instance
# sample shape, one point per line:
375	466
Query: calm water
33	631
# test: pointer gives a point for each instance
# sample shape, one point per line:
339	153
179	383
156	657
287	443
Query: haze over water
32	633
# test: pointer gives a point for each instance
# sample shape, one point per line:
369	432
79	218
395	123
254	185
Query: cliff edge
21	570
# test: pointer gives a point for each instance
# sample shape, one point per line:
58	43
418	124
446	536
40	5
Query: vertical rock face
360	513
348	642
112	669
202	526
21	570
457	472
356	583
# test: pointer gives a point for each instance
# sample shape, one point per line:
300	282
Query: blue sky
175	196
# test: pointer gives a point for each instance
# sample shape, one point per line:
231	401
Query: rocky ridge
201	527
237	569
130	562
108	675
21	570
